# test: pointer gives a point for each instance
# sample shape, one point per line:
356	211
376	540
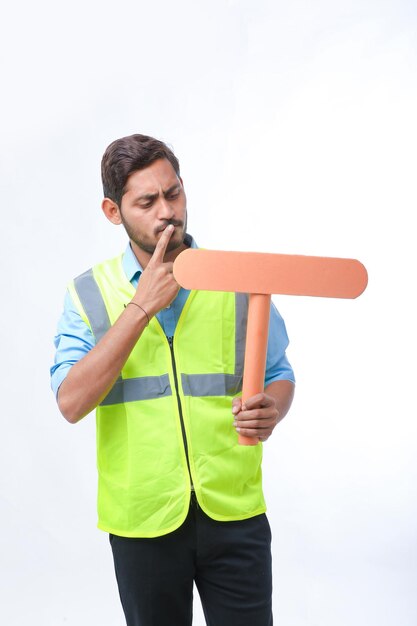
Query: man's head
127	155
144	192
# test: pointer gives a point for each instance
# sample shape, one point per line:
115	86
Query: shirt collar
133	268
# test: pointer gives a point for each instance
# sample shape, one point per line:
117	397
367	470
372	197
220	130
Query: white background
295	124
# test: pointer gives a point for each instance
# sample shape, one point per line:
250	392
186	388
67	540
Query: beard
148	244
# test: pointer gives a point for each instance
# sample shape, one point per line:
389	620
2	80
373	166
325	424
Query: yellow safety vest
166	426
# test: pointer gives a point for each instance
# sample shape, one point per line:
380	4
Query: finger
169	267
255	424
261	400
263	438
236	405
265	413
256	433
161	246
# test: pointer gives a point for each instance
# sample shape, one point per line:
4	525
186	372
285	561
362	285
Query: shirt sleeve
277	365
73	341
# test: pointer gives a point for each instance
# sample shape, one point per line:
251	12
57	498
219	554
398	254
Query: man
180	498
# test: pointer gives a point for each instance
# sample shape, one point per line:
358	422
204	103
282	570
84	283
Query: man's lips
175	224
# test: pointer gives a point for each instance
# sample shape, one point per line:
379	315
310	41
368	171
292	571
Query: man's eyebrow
152	196
146	196
172	188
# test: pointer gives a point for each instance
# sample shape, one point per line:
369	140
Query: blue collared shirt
74	338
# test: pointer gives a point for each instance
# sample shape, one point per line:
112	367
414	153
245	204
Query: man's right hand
157	287
90	379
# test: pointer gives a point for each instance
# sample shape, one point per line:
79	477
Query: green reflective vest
166	426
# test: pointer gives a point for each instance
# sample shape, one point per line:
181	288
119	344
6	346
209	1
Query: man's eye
174	195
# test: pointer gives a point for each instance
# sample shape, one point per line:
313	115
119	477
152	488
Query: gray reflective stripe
93	303
242	303
152	387
211	384
144	388
124	390
223	384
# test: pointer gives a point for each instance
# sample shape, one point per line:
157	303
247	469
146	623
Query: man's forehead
158	175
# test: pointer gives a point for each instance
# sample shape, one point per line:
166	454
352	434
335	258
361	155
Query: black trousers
230	563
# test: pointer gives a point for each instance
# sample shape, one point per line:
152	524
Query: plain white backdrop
295	125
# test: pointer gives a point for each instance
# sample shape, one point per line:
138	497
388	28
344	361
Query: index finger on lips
161	246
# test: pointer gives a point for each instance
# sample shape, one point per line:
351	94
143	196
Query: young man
180	498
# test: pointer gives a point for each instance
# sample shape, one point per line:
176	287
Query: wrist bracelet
141	307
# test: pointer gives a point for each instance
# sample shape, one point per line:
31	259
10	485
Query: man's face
154	198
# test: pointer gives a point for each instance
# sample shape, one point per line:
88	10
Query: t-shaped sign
261	275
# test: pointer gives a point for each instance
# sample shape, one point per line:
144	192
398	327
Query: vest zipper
184	436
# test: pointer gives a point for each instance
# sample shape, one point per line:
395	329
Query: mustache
168	222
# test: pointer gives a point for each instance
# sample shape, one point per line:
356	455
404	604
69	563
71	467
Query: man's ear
111	211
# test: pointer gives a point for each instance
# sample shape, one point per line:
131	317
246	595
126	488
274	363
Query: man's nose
165	210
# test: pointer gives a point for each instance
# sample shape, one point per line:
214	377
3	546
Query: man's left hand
256	417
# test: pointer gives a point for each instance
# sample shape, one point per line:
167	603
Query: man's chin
177	239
